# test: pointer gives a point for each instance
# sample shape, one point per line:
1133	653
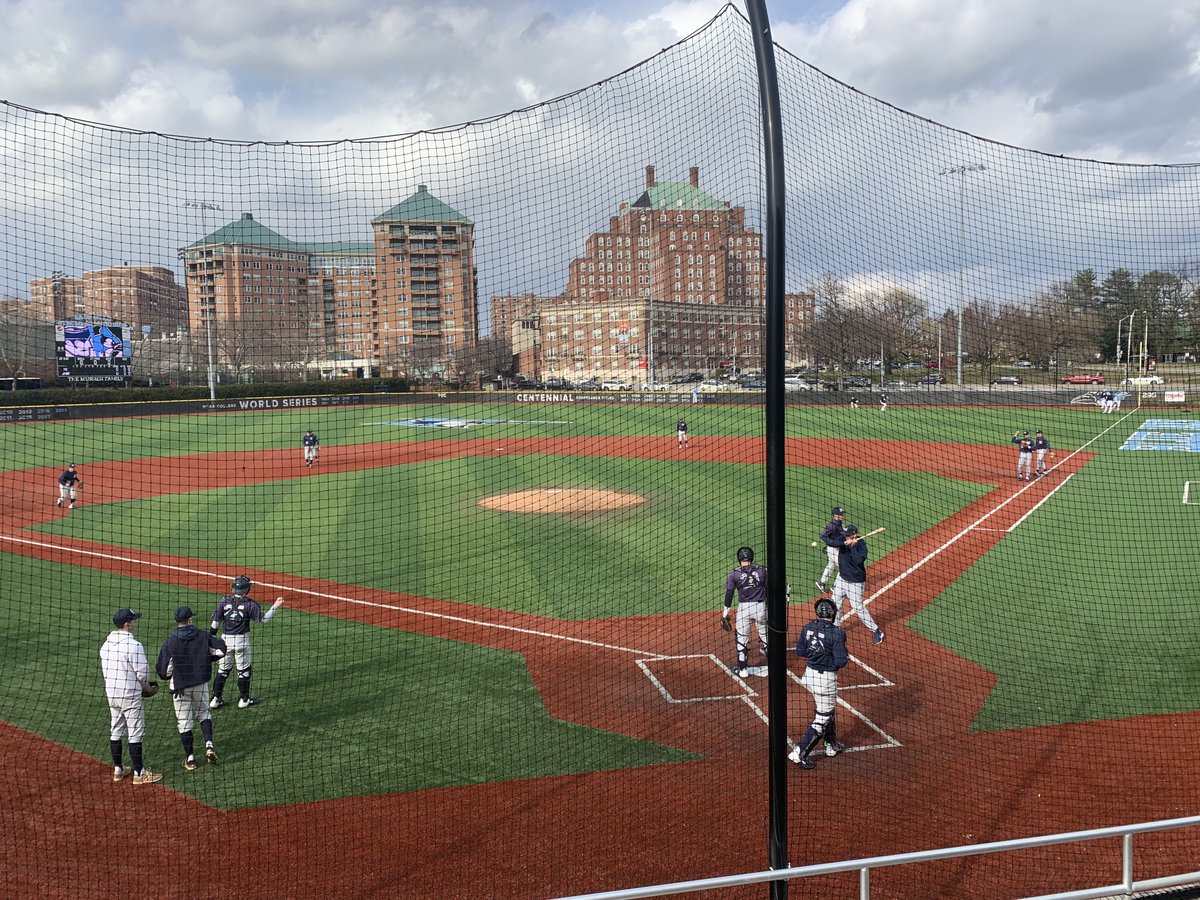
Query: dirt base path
918	778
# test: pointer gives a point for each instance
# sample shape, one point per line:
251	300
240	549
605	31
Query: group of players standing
185	661
822	641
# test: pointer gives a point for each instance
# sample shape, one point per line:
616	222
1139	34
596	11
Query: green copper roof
675	195
421	207
247	232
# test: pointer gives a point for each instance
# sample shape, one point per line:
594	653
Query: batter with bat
749	581
68	484
851	582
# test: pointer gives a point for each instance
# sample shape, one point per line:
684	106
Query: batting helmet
745	554
241	585
826	609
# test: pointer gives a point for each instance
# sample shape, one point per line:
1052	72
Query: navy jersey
750	582
1041	444
823	644
68	478
235	613
310	440
681	426
852	562
833	533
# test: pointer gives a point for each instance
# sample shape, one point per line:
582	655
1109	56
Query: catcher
749	581
126	682
69	483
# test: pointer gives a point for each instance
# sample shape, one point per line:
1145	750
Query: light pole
206	295
961	172
1128	341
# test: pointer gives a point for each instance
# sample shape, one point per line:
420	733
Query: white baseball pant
852	591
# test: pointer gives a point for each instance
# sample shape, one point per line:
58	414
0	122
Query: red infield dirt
917	777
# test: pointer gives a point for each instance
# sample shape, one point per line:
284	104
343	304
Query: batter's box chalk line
746	694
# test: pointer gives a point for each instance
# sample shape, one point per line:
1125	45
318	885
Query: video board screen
92	351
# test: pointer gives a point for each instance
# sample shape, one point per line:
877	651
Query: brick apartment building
676	284
141	296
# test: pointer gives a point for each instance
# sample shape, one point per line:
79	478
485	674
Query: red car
1084	378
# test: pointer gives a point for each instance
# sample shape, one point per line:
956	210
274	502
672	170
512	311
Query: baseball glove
150	689
725	626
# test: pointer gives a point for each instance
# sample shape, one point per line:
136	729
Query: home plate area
704	678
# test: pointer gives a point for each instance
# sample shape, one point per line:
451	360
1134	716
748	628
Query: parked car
1008	379
690	378
857	382
558	384
932	378
526	384
716	385
1141	381
896	384
752	384
1084	378
658	386
1023	363
590	384
796	383
615	384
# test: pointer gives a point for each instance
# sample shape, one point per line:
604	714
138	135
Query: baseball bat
876	531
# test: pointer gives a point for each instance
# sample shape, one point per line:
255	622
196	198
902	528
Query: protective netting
499	668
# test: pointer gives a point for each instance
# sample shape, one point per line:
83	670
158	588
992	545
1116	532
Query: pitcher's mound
561	500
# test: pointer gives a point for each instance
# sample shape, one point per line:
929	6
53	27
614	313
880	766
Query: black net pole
768	81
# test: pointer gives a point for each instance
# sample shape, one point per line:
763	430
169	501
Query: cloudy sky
1103	79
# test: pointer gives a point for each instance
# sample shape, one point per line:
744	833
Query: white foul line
1060	485
352	600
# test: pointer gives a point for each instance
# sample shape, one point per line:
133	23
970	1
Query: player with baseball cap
186	659
126	678
1024	455
831	535
851	582
69	483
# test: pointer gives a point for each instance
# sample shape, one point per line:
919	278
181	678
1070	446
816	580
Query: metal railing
1125	888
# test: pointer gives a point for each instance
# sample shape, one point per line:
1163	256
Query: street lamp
961	172
209	300
1128	341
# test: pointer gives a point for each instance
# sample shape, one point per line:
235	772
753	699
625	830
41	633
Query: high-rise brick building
676	284
141	296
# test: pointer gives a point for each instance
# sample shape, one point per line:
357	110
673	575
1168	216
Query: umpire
186	659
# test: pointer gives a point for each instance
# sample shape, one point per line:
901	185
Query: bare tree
26	342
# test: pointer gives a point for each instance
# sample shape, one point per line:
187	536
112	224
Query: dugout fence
498	669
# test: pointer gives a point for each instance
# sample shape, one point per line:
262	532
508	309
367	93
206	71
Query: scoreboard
93	351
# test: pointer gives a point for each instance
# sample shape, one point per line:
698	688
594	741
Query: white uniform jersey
123	661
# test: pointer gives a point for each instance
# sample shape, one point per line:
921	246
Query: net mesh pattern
498	668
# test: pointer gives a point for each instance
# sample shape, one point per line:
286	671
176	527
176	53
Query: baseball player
851	582
823	645
234	614
854	403
681	433
1024	455
185	660
883	402
831	535
312	447
68	483
750	583
126	675
1041	447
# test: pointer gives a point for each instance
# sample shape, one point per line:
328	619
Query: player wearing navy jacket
1040	447
234	614
681	433
186	659
823	645
851	582
312	447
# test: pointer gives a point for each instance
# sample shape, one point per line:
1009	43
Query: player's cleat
835	748
247	701
743	672
147	777
118	773
799	759
72	506
878	639
190	764
216	703
58	502
211	755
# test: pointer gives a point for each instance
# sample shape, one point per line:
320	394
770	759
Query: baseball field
499	661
